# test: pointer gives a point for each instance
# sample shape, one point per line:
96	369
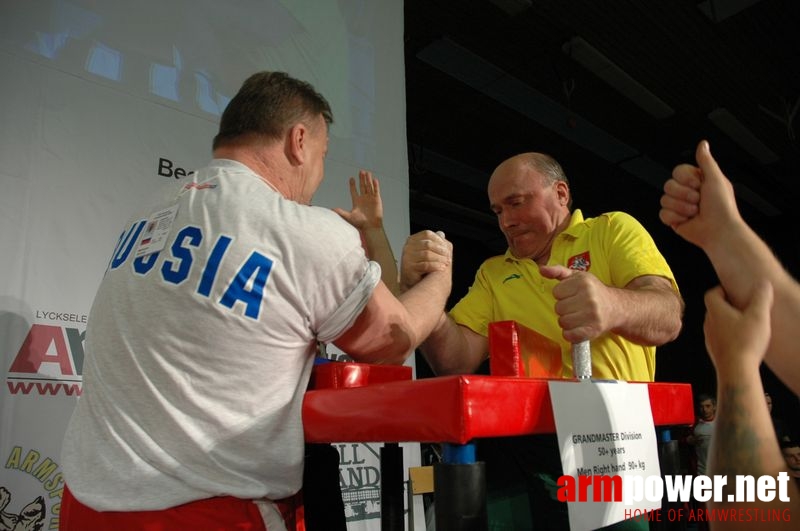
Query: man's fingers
670	218
735	337
576	335
679	206
362	182
428	249
429	266
718	308
434	254
687	175
687	192
367	183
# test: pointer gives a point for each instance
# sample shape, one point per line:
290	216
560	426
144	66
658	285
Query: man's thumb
706	161
556	272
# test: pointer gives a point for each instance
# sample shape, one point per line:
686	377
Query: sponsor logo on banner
359	472
31	514
167	168
359	480
50	361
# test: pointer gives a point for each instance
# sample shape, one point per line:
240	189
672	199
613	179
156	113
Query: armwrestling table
353	402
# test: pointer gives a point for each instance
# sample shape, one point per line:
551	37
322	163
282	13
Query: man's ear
296	139
562	190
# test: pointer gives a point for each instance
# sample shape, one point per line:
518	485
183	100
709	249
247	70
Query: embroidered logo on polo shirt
511	277
580	262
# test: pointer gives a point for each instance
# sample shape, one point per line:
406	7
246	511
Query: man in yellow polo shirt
568	278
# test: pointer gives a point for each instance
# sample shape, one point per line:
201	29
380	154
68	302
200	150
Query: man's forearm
741	258
425	302
448	351
378	249
744	442
649	315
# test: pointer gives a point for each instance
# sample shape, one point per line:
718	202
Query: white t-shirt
197	356
703	431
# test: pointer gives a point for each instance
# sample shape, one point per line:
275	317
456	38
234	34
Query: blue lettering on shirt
247	285
214	259
125	244
183	254
257	268
144	264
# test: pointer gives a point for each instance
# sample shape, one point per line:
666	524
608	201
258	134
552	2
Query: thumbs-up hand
699	201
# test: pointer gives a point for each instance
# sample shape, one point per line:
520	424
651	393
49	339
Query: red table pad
456	409
340	375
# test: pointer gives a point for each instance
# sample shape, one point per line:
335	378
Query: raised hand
367	211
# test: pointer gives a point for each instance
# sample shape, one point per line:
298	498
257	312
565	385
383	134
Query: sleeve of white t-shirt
351	307
343	282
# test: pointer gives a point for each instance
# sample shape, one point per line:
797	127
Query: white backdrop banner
100	102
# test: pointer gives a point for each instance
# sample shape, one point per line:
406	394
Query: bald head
539	166
530	195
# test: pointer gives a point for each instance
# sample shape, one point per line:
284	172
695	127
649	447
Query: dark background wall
487	79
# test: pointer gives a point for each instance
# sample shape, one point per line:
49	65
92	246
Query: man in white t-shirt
202	335
702	431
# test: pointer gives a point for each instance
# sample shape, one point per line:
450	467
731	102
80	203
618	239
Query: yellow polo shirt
614	247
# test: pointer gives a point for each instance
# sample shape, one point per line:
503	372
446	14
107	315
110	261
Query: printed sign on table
608	451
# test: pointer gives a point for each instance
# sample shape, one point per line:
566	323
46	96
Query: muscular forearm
744	442
425	303
648	315
378	249
389	328
741	259
449	349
